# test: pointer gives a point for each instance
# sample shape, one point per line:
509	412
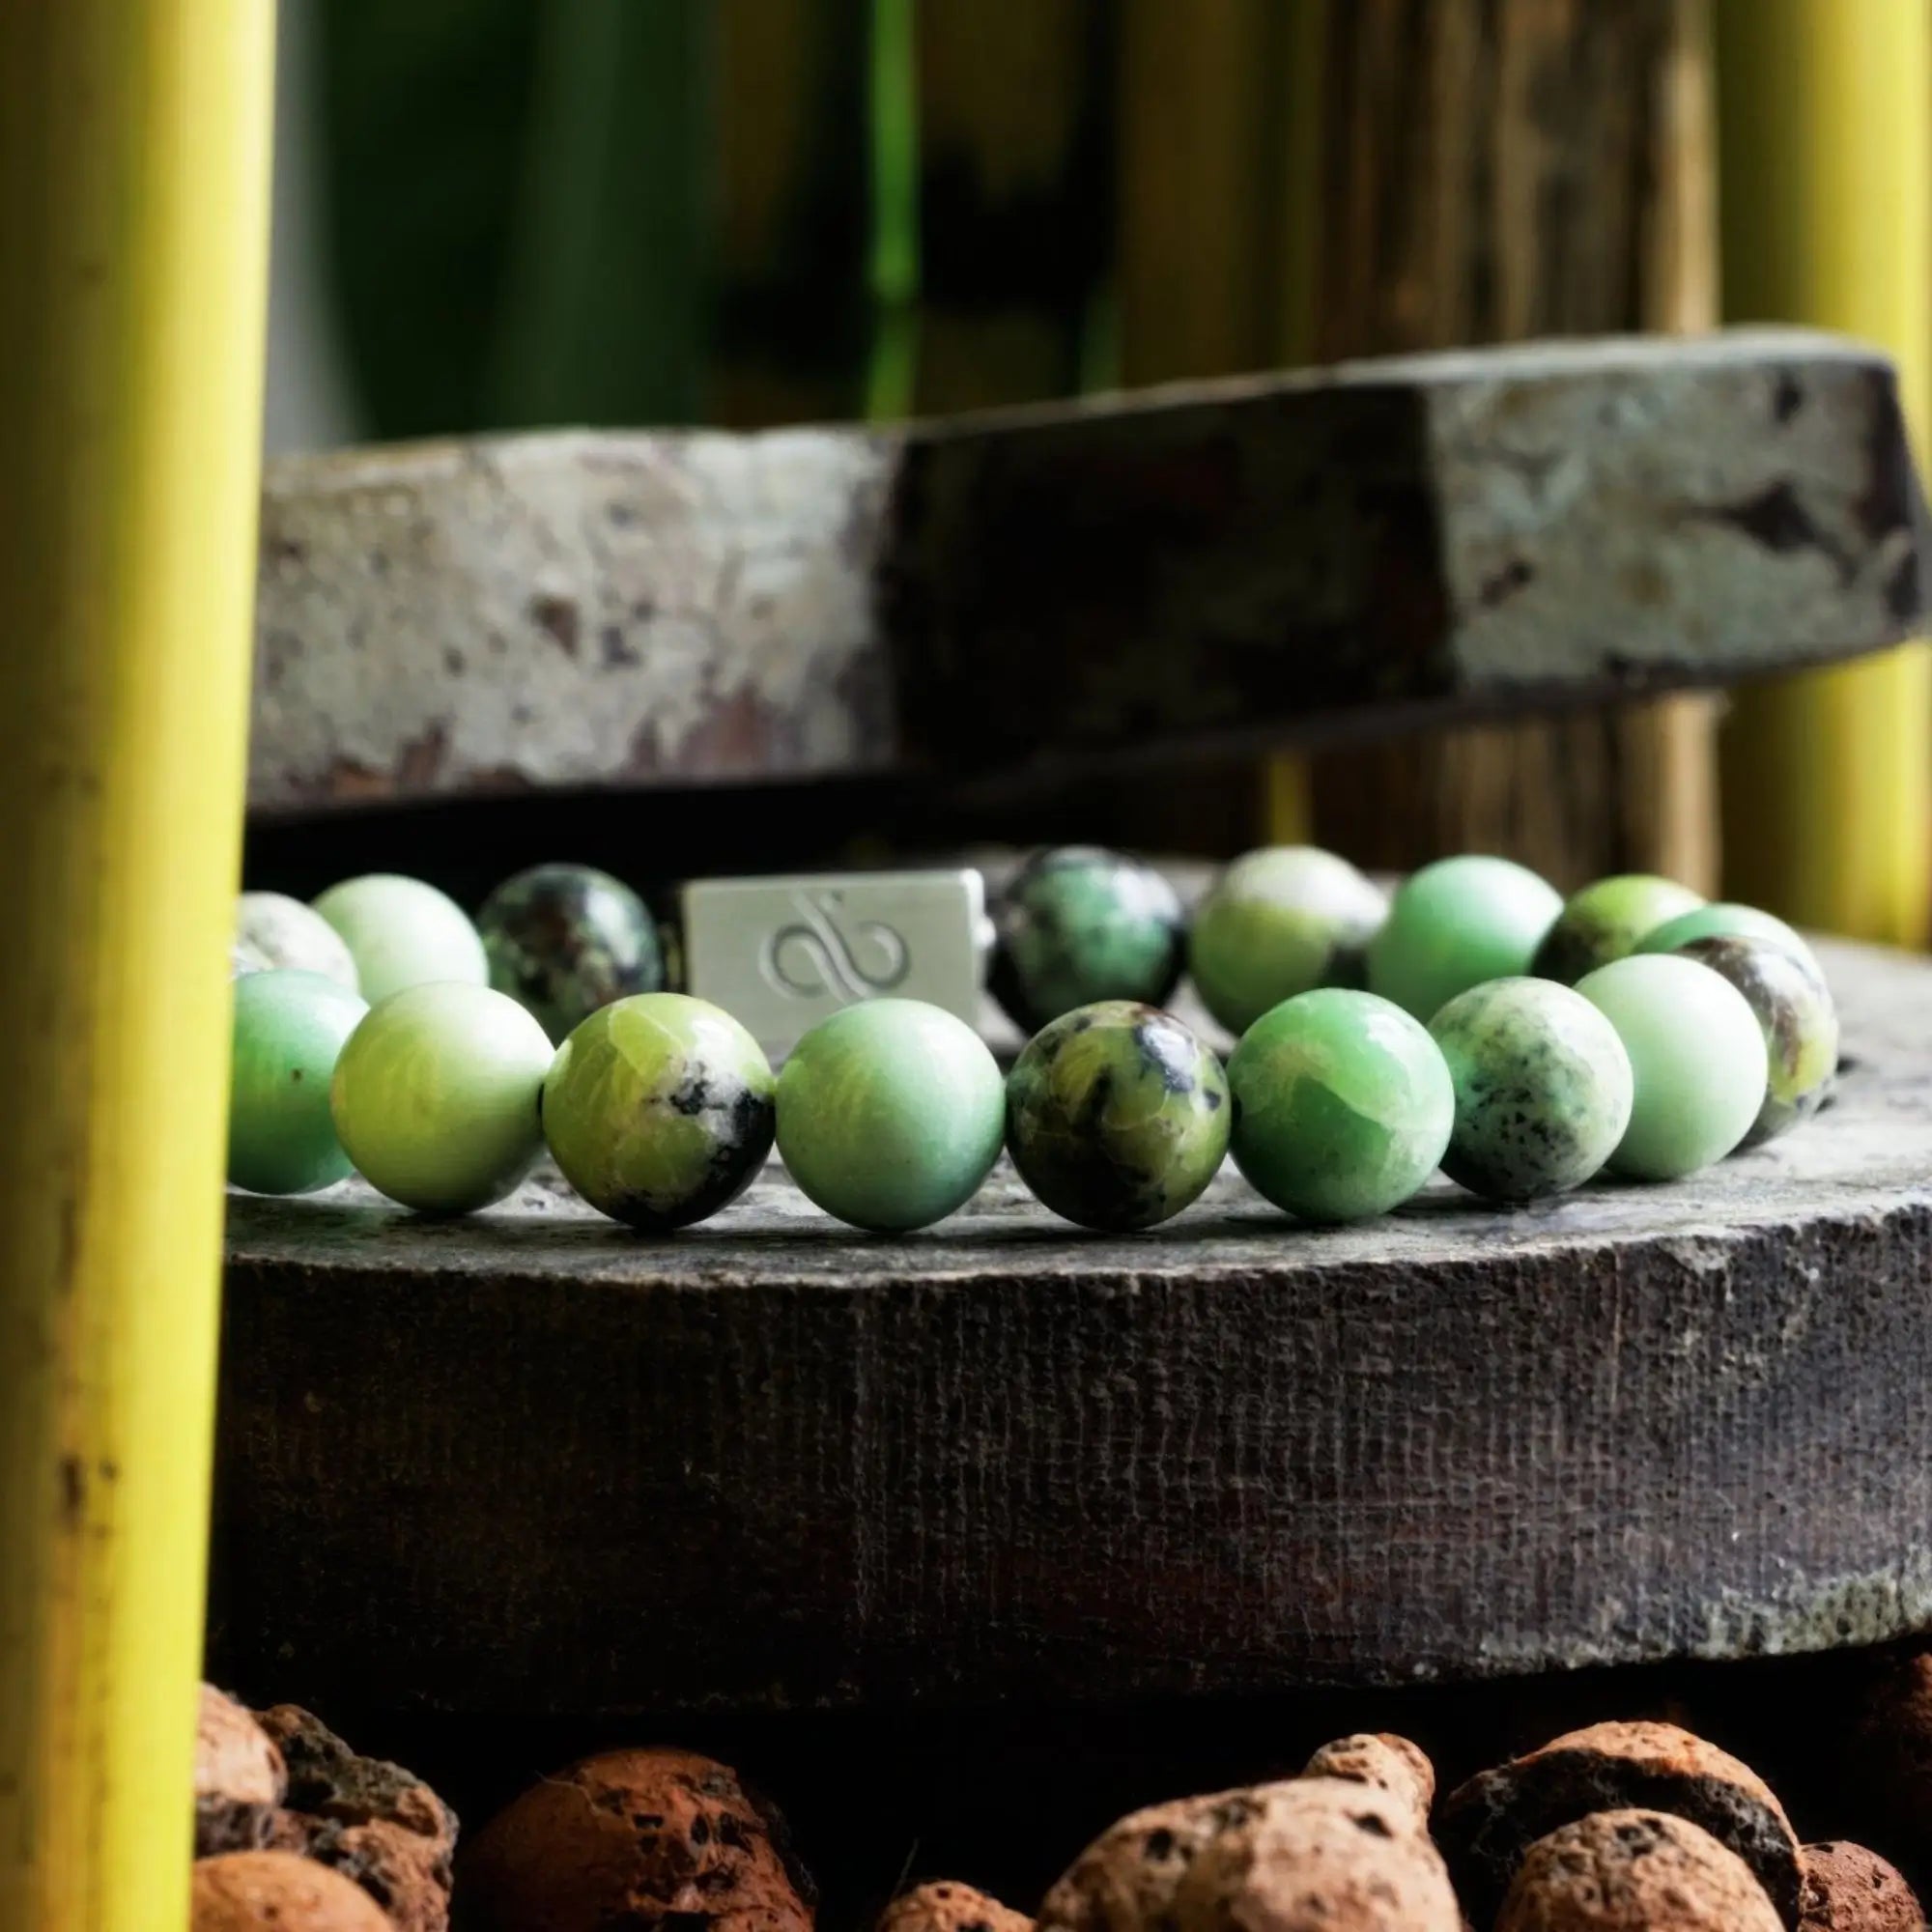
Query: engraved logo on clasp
812	957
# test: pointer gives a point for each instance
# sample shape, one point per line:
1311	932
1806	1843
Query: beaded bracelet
1633	1027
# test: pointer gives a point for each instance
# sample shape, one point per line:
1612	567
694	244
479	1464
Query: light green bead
403	933
1343	1106
1277	922
1543	1088
659	1110
1605	921
288	933
435	1096
1722	920
288	1030
891	1114
1456	924
1698	1061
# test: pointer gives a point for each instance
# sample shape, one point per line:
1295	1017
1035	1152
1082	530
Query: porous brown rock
1635	1872
1384	1761
406	1874
1486	1826
946	1906
632	1837
1321	1855
1848	1888
278	1892
238	1778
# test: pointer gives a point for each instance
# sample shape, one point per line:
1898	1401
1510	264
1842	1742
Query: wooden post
1827	147
134	227
1490	172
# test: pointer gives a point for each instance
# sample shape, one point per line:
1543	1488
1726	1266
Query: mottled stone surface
565	940
1117	1116
1848	1888
1605	920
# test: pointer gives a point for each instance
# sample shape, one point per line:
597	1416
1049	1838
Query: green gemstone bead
1277	922
1724	919
1605	921
1078	925
436	1097
566	939
891	1114
1117	1116
658	1109
1795	1013
288	933
403	933
1456	924
1543	1088
1697	1061
289	1032
1343	1106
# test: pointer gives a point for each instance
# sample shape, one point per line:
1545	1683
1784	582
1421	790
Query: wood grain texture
526	1462
1254	560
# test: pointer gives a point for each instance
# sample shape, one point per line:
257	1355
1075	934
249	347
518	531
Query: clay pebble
946	1906
1386	1763
1848	1888
239	1778
278	1892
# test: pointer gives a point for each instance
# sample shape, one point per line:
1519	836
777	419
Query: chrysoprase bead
1456	924
1605	921
891	1114
1725	919
288	933
566	939
1796	1014
288	1030
1079	923
1343	1106
1543	1088
658	1109
435	1096
1277	922
1117	1116
403	933
1698	1061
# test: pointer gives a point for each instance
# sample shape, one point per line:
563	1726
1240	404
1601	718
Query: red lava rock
278	1892
1848	1888
1384	1762
406	1874
239	1778
946	1906
1485	1826
630	1839
1635	1872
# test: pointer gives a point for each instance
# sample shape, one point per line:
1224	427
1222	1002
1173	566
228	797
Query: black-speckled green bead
1793	1006
566	939
1077	924
1117	1116
1543	1088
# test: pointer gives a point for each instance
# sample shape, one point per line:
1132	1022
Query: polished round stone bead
403	933
435	1096
1456	924
1343	1106
1077	924
1543	1088
1697	1059
1796	1014
289	1032
658	1109
1725	919
286	932
243	958
891	1114
566	939
1117	1116
1277	922
1605	921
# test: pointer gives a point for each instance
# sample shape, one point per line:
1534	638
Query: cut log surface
529	1462
1266	558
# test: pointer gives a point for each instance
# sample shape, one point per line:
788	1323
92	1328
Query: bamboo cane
133	224
1825	143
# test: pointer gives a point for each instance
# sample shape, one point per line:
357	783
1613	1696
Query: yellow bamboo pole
1826	146
134	228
